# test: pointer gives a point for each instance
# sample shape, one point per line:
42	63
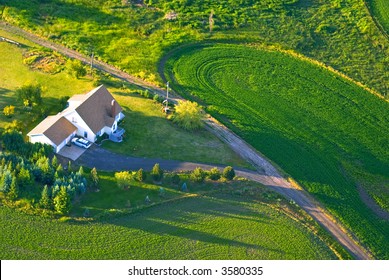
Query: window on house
85	134
74	120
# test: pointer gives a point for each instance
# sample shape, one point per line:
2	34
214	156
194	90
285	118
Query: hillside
134	35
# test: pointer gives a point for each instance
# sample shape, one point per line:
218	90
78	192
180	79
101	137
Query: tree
13	190
140	175
54	162
211	21
45	201
214	174
188	115
94	178
62	203
24	178
30	94
229	173
76	68
198	175
157	172
123	179
9	111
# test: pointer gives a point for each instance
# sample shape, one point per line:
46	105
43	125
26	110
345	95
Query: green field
134	35
220	226
324	131
380	9
145	123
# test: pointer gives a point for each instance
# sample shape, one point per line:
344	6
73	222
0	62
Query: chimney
113	115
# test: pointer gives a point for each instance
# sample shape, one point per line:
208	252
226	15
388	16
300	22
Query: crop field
327	133
380	9
221	226
134	35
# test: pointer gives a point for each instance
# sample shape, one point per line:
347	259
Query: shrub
214	174
157	98
94	178
175	179
188	115
9	111
157	172
30	94
229	173
76	68
198	175
123	179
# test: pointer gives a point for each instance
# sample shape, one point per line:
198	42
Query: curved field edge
206	227
379	10
324	142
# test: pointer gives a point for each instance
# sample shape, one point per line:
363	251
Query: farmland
380	9
221	225
327	133
135	36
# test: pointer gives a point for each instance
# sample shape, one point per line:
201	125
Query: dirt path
267	174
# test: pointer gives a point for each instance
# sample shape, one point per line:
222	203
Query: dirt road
267	174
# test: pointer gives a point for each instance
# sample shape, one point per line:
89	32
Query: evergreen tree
62	203
45	201
59	170
157	172
54	162
13	193
94	177
81	171
25	179
140	175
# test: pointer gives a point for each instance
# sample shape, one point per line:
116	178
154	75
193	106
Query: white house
87	115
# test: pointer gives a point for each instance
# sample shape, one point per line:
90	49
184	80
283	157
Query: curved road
267	174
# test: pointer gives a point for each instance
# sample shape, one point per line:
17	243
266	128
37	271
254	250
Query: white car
80	142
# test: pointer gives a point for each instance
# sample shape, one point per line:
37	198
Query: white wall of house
64	142
82	127
40	138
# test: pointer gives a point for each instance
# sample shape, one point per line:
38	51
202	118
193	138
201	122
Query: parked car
80	142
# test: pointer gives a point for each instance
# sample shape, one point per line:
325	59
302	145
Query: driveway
73	152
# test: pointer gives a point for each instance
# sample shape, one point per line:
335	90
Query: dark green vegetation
380	9
324	131
229	224
134	35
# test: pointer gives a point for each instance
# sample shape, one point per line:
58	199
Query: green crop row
380	9
326	132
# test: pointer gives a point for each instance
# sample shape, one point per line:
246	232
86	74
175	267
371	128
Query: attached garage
56	131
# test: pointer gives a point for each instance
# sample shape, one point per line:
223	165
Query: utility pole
167	98
91	61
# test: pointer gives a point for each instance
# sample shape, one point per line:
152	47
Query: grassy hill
134	35
326	132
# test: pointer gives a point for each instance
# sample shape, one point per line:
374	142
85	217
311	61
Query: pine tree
45	201
157	172
54	162
62	203
94	178
81	171
13	193
140	175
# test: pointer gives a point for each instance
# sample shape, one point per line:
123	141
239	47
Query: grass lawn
229	223
148	132
327	133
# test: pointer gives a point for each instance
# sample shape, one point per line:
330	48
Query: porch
117	135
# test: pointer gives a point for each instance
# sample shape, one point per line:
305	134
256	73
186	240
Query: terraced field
218	227
326	132
380	9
